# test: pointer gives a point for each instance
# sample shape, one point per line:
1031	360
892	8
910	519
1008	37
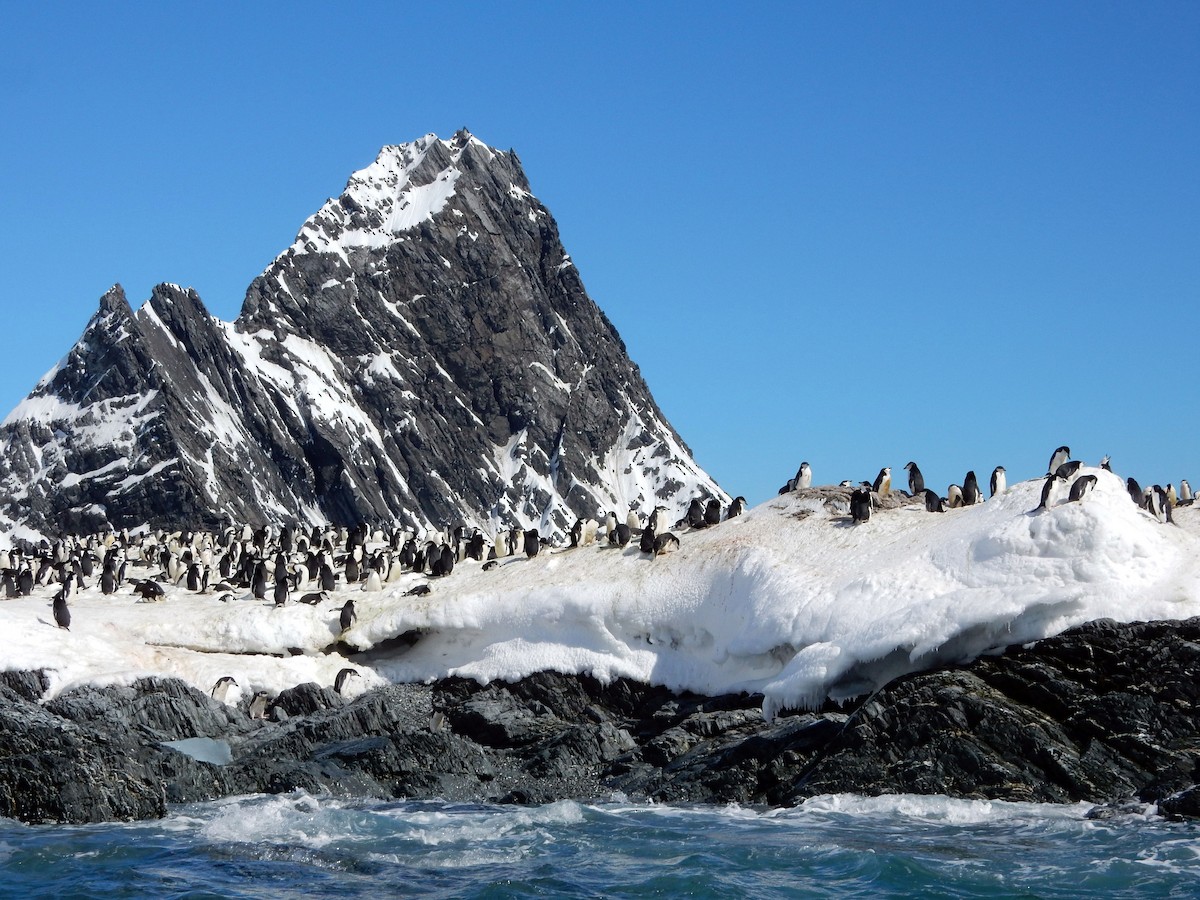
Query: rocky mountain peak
424	351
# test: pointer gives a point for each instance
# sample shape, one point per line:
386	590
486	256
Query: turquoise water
296	845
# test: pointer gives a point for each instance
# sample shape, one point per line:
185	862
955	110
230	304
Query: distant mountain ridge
424	353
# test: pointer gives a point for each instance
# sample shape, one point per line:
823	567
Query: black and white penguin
860	505
803	477
1057	458
934	503
1172	497
1135	492
646	544
421	590
620	535
225	689
1185	493
149	590
658	520
501	543
1106	463
883	482
108	579
1068	469
712	512
62	615
695	514
339	682
1047	491
954	496
348	615
737	507
281	594
916	481
532	542
315	598
1082	485
970	489
258	705
665	543
999	481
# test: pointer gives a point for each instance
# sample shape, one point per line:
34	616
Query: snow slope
790	600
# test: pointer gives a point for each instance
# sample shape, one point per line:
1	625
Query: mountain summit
424	352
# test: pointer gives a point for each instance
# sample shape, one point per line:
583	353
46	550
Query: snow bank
790	600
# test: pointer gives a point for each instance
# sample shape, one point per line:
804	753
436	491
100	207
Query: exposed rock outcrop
1105	713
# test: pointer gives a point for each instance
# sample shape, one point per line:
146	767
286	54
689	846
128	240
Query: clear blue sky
855	234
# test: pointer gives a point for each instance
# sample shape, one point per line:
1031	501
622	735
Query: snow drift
790	600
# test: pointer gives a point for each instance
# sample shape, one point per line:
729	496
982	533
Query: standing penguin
348	616
883	482
339	683
1047	491
916	481
999	482
712	512
737	507
954	496
62	615
1057	458
970	490
934	503
532	541
860	505
1135	492
1185	492
803	477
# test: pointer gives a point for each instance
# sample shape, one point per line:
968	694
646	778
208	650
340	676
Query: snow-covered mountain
424	353
789	600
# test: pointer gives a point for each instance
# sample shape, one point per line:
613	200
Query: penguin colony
1063	483
281	566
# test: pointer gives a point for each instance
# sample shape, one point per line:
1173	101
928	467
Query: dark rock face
425	352
1104	713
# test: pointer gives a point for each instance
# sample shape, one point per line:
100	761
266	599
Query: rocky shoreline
1105	713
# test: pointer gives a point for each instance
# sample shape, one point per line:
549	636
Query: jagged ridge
425	351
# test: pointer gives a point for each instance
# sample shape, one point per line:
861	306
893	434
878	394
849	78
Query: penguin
1106	463
501	544
490	564
658	520
712	512
1185	493
803	479
226	690
1057	458
149	590
860	505
999	481
1083	484
646	544
258	705
315	598
339	682
1135	492
933	503
421	590
737	507
970	490
954	496
620	536
1047	491
108	579
1172	497
532	543
916	481
1068	469
664	543
883	482
445	561
374	581
281	592
348	615
1155	502
62	615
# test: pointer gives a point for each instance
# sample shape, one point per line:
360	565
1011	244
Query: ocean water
297	845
